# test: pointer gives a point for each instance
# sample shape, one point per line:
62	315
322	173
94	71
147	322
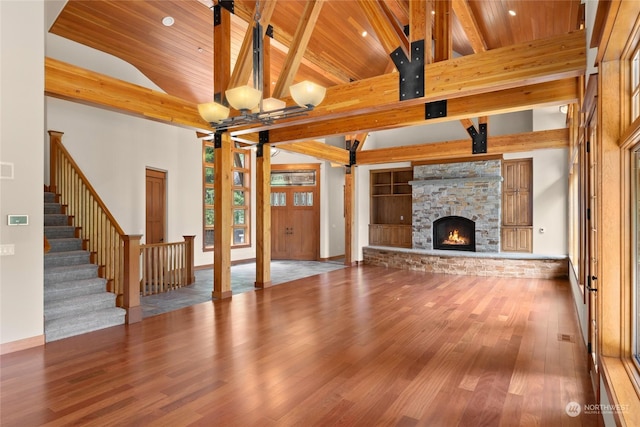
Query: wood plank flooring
361	346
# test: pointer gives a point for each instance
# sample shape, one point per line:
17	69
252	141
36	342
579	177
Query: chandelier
249	101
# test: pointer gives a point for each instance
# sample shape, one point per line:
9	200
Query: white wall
21	135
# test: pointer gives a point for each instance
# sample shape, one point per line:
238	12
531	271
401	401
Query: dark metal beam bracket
411	70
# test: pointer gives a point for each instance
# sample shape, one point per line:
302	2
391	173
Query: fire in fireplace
454	233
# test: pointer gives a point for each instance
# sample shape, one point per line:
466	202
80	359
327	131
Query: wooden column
609	208
420	25
189	259
222	217
131	271
263	218
348	215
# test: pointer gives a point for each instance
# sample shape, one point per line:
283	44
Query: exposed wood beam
443	37
498	102
298	46
395	25
421	26
469	24
383	28
222	54
318	150
557	138
466	123
503	68
66	81
244	64
490	71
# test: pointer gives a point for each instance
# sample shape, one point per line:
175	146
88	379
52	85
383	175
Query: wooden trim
621	391
23	344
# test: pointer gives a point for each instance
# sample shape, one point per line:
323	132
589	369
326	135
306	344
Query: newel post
131	271
189	259
55	139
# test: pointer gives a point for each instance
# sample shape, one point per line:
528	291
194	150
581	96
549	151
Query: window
635	84
241	174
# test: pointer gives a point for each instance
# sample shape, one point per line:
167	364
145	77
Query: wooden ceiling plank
499	102
244	64
383	28
556	138
539	61
469	25
298	46
443	31
69	82
318	150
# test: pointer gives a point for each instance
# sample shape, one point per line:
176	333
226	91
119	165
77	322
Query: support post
131	270
189	259
222	217
263	215
348	215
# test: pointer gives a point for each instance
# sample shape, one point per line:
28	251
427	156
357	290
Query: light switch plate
7	250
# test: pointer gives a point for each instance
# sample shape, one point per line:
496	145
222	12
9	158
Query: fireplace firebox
454	233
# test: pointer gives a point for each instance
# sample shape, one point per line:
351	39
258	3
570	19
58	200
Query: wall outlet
7	250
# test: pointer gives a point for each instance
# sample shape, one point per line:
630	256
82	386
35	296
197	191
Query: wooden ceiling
179	58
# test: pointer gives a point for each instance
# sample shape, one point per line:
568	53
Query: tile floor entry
243	277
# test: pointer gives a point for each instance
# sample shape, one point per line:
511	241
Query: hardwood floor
359	346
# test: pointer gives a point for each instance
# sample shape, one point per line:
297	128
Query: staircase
75	298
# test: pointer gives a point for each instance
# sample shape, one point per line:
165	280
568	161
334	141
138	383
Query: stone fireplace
470	192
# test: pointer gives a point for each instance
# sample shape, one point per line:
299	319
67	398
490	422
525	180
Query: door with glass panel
295	212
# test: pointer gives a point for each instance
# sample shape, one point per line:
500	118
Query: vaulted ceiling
179	58
349	41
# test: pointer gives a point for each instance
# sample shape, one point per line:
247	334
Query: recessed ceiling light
433	12
512	12
364	34
168	21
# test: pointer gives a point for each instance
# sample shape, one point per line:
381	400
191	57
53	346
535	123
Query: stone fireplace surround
472	190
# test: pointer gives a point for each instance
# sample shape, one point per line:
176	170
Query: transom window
241	190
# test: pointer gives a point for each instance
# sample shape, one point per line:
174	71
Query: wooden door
295	213
155	206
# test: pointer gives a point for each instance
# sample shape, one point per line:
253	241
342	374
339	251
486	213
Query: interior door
155	206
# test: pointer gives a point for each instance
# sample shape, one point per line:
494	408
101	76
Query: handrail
166	266
96	225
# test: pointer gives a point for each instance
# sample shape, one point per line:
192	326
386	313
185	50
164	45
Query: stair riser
49	197
65	232
65	245
58	293
60	328
56	219
52	208
79	273
66	260
87	304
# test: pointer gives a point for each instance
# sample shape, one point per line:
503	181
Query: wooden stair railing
118	254
166	266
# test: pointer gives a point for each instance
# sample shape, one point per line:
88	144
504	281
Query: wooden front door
295	212
155	202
